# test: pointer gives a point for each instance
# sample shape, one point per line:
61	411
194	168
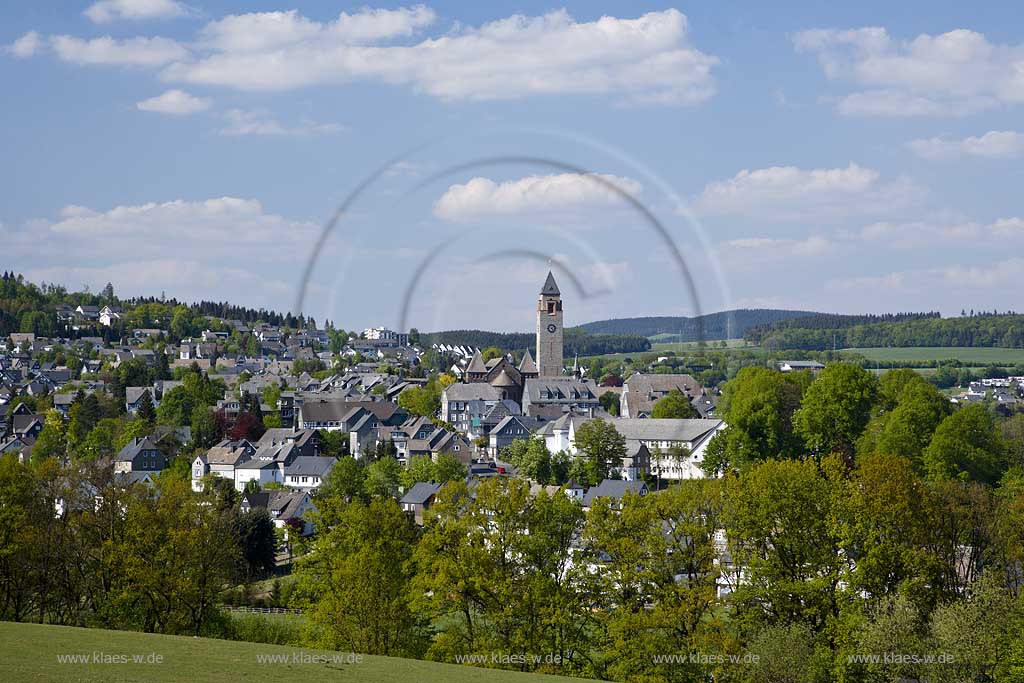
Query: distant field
980	356
30	653
684	347
669	345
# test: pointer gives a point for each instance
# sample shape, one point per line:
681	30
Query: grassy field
685	347
31	651
669	345
979	356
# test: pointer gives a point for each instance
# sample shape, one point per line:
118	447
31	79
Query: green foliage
497	588
133	429
610	401
602	445
534	461
357	580
701	328
146	409
835	409
490	353
197	390
383	478
776	521
674	406
445	468
254	534
913	410
424	401
758	407
966	445
52	441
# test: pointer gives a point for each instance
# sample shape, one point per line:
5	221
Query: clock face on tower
552	328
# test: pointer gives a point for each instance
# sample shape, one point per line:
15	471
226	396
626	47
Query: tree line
722	325
28	307
1002	330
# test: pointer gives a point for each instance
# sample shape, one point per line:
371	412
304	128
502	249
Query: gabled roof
133	394
615	489
642	429
312	466
134	447
229	452
550	288
471	392
421	493
281	504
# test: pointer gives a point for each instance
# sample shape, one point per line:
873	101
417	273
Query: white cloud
26	46
791	193
178	225
175	102
482	197
260	31
105	11
747	253
955	73
648	59
232	247
240	122
963	233
995	144
950	281
107	50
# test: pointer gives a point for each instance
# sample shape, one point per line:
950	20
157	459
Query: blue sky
855	157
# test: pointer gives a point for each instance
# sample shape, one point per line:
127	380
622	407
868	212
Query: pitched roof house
640	392
140	455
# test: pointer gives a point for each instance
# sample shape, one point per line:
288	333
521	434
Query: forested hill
922	329
28	307
723	325
576	341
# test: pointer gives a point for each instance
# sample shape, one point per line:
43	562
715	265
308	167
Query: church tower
549	330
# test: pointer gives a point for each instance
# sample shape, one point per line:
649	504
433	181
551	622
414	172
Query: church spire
550	287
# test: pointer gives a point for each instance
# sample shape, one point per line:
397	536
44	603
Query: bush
261	628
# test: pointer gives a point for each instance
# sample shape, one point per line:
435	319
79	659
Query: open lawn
679	348
981	356
33	652
689	347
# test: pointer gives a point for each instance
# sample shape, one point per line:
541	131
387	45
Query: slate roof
615	489
560	390
281	435
420	493
641	429
503	380
550	287
281	504
471	392
133	394
527	366
134	447
643	391
306	465
477	364
229	452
